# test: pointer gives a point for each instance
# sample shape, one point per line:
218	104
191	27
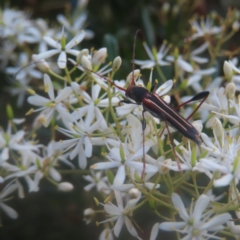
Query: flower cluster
125	147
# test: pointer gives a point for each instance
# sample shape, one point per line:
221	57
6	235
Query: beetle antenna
133	55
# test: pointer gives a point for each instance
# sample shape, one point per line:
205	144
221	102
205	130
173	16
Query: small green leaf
10	112
151	203
110	176
111	43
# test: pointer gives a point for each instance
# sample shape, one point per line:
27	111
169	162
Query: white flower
88	214
217	102
182	65
24	69
16	142
121	214
197	75
196	224
234	117
154	231
44	31
96	180
11	187
185	66
98	101
29	164
62	50
204	28
127	154
49	105
106	234
188	161
80	134
156	58
18	27
77	25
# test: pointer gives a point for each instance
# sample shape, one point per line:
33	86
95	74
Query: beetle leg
143	128
173	146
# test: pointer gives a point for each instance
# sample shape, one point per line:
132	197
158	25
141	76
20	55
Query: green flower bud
230	90
84	52
227	69
117	63
86	63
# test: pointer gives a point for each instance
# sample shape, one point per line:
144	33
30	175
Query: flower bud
134	193
88	214
65	186
41	24
135	75
41	64
227	69
117	63
230	90
235	26
86	63
84	52
163	169
218	129
176	53
198	125
175	9
166	7
99	56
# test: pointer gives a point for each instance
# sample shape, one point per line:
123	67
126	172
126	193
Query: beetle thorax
136	93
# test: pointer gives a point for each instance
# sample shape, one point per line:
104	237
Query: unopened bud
176	53
198	125
134	193
166	7
65	186
175	9
227	69
84	52
30	112
235	26
30	91
86	63
133	75
116	63
88	214
230	90
96	201
99	56
42	65
217	128
165	168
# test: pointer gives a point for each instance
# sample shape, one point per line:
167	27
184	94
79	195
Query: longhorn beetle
157	107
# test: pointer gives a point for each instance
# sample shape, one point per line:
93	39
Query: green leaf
10	112
110	176
151	203
111	43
